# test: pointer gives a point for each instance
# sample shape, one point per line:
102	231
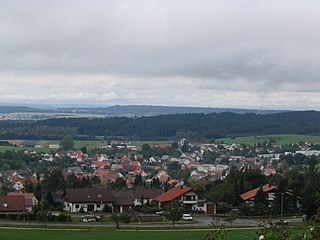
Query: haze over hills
139	110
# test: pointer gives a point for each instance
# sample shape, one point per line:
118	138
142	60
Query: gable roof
252	193
27	196
89	195
12	204
100	171
173	194
150	193
123	198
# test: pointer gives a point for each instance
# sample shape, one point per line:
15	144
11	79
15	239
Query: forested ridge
193	125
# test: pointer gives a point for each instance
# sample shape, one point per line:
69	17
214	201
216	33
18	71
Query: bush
146	209
224	208
244	209
107	208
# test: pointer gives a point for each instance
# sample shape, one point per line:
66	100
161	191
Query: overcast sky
217	53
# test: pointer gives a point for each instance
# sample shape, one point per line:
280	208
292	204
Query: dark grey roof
89	195
150	193
123	198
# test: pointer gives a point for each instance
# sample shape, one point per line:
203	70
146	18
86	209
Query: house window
98	205
200	204
77	205
190	197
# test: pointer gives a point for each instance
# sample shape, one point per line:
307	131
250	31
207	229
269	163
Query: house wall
87	207
137	202
194	202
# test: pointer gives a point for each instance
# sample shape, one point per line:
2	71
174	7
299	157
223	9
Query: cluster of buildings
131	163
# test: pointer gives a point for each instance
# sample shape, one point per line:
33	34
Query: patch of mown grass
102	234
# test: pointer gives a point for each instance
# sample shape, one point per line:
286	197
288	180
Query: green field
280	138
77	144
151	143
110	234
46	115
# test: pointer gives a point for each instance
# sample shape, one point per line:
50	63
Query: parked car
187	217
162	213
88	218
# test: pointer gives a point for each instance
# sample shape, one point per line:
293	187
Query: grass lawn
151	143
10	148
280	138
77	144
110	234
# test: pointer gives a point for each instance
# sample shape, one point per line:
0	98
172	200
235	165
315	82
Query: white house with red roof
163	176
188	198
250	195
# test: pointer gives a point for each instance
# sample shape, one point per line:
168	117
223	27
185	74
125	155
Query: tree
261	202
175	145
28	186
73	182
119	183
311	195
55	181
156	182
115	218
5	167
185	147
232	216
137	180
84	149
175	212
67	142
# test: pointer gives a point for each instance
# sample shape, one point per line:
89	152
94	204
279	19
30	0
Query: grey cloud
142	46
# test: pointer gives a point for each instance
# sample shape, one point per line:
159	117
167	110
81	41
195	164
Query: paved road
199	221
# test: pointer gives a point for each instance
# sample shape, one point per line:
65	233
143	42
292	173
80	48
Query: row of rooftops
97	195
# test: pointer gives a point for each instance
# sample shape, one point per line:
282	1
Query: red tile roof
135	163
101	171
269	171
100	164
252	193
173	194
125	158
12	204
28	197
173	181
163	145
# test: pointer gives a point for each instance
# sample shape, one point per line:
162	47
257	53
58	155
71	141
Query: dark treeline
192	126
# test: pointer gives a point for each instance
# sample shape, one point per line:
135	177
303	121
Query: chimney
181	187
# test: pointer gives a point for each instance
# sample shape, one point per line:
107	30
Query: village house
249	196
30	199
163	176
12	204
270	190
145	195
88	200
97	200
188	198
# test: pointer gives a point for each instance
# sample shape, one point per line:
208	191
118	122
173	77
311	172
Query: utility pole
281	214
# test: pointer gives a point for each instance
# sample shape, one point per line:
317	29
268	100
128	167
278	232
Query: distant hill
12	109
145	110
126	110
